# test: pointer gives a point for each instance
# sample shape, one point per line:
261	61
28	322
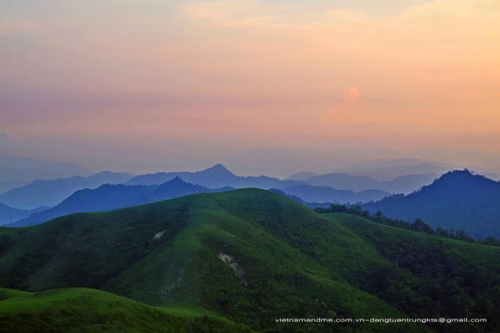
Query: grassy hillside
87	310
253	256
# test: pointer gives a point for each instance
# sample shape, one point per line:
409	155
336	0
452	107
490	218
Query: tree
419	225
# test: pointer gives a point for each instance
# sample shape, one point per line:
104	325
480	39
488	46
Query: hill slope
277	259
86	310
457	200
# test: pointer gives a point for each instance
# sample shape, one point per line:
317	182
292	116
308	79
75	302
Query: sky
156	85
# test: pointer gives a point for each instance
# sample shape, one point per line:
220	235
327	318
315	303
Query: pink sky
219	77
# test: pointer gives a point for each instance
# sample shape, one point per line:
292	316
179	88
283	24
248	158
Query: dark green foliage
433	277
5	243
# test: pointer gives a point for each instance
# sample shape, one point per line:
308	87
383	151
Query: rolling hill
77	310
277	259
457	200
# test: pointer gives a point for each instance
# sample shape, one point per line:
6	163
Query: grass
88	310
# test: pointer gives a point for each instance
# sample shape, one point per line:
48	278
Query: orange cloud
350	109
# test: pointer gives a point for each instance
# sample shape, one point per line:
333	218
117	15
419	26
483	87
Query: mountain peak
218	166
176	183
176	180
458	175
460	180
218	169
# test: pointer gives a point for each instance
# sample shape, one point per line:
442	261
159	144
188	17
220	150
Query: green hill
250	257
87	310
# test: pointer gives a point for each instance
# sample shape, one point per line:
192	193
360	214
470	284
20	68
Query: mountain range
120	196
109	197
238	261
342	181
388	169
52	192
216	176
309	193
457	200
16	171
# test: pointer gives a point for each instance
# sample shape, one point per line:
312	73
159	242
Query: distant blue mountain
21	170
178	188
295	198
52	192
10	215
388	169
216	176
300	176
311	193
9	185
457	200
109	197
343	181
409	183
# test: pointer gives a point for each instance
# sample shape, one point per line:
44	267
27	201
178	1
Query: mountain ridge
24	170
357	183
44	192
215	176
309	193
111	197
